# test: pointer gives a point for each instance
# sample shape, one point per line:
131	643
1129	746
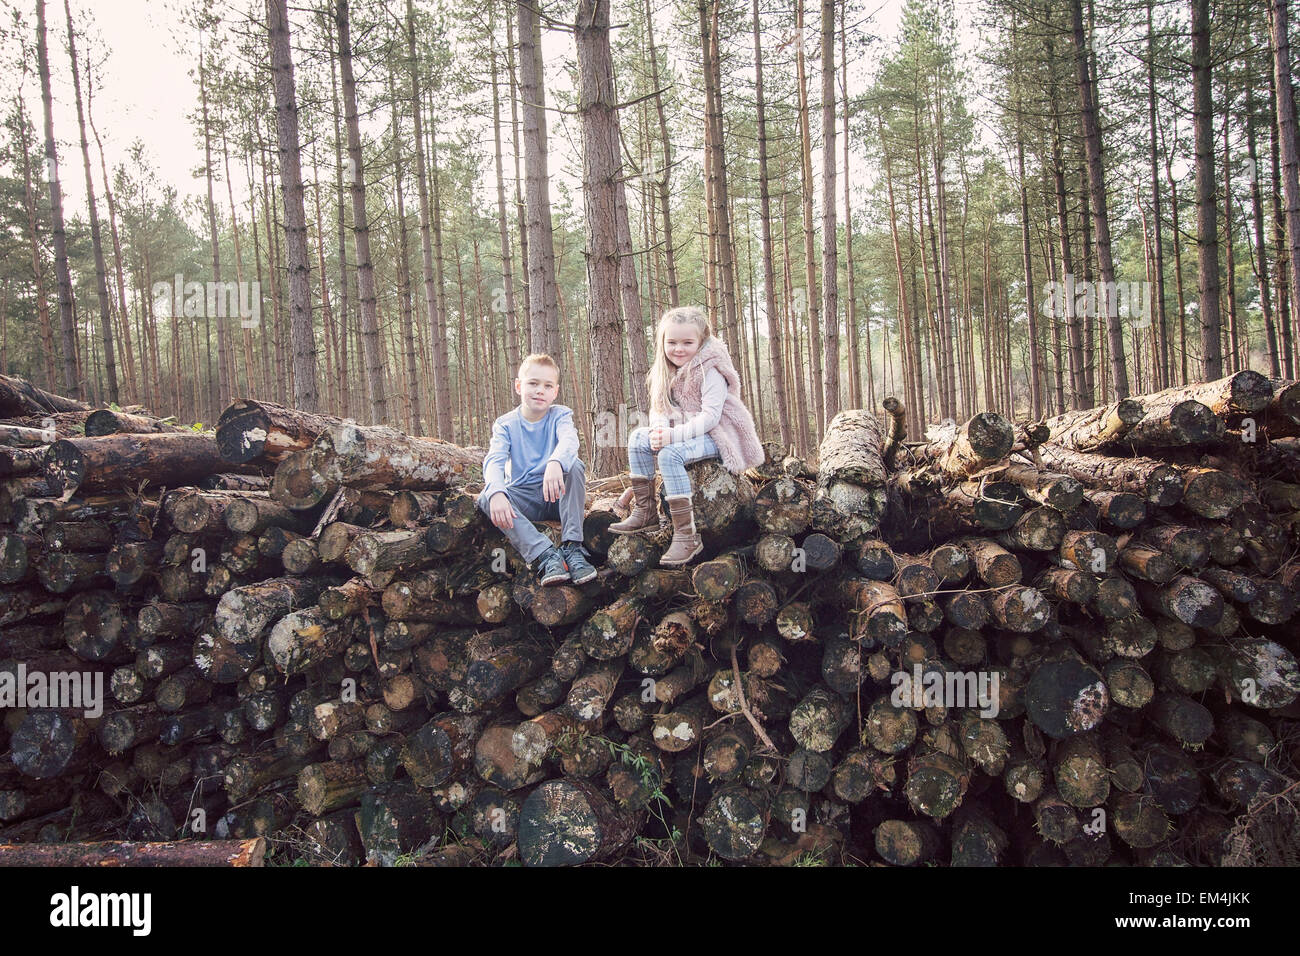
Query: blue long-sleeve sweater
527	447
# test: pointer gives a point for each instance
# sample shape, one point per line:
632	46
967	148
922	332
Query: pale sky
146	91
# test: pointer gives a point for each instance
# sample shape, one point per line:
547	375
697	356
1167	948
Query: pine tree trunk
67	328
245	321
278	370
503	227
1260	265
306	396
943	267
441	387
1178	273
1282	281
634	331
219	388
412	390
1207	222
791	333
327	311
1035	372
1162	320
812	294
670	253
544	315
915	413
775	339
602	166
727	321
851	318
101	279
1289	153
1073	322
830	242
361	224
38	269
1097	198
521	217
1235	329
341	352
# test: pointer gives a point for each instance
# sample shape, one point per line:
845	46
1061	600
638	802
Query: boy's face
537	387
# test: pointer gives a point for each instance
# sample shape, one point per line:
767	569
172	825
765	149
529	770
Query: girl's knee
670	456
640	439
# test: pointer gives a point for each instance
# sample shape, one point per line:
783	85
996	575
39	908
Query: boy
547	480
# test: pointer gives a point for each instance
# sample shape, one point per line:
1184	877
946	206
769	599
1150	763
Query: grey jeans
529	506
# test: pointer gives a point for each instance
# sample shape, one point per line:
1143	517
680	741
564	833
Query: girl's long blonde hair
662	372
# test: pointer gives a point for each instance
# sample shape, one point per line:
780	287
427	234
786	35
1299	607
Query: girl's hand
659	436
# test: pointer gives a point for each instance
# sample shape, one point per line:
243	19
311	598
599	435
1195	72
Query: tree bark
1289	151
543	301
101	278
305	394
370	458
602	177
67	327
774	337
1207	222
812	293
513	354
1260	265
1163	379
830	241
84	465
670	253
1097	197
361	224
240	853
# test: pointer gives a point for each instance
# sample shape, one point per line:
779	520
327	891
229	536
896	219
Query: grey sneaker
551	567
575	556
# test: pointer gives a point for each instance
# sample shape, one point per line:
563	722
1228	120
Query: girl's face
681	342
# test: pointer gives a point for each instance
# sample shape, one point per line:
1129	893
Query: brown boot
643	507
686	542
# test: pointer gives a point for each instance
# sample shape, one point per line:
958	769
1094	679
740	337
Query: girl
695	413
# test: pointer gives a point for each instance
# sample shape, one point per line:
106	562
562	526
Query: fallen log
297	484
239	853
20	398
1090	430
376	457
569	821
1242	392
1047	488
23	437
961	452
115	462
851	473
250	430
104	421
1158	483
1174	425
21	462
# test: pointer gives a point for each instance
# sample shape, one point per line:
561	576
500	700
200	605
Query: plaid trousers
673	459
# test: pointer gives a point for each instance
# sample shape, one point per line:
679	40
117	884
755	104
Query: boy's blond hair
538	358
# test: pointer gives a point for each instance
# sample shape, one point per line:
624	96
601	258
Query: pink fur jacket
735	434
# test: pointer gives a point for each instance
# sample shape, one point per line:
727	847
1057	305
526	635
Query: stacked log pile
1065	642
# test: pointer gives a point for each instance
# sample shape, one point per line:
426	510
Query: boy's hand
659	436
553	481
503	514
